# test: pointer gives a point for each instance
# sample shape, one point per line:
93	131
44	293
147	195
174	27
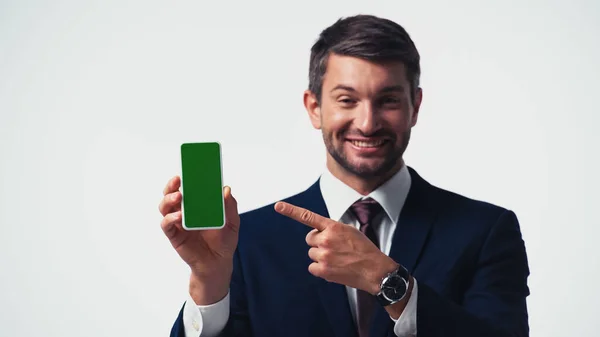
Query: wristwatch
393	286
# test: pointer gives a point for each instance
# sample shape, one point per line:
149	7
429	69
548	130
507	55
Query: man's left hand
341	253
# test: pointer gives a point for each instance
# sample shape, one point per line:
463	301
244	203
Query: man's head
364	94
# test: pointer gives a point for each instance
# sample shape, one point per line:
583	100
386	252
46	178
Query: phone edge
222	196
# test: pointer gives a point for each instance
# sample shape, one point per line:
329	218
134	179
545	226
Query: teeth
366	144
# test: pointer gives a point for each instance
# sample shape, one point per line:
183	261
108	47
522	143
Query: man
371	248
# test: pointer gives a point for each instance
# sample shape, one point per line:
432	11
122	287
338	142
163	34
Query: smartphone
203	205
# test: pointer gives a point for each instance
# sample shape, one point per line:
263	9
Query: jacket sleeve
238	324
494	303
239	318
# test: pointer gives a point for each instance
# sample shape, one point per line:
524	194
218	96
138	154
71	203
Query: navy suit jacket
468	257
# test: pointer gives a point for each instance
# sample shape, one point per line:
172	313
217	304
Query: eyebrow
387	89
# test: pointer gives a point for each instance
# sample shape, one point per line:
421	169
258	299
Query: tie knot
365	210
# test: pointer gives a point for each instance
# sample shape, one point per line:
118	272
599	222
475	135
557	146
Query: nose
367	119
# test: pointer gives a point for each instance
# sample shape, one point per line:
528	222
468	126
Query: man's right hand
209	253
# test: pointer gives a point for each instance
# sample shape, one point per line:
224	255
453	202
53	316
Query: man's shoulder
461	211
467	202
455	210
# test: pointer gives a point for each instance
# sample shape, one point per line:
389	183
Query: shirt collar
391	195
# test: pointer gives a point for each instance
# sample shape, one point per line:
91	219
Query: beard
390	159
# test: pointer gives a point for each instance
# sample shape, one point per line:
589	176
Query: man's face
366	115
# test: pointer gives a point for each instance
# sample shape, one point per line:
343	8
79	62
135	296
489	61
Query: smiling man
371	248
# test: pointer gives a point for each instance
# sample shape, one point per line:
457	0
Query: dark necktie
365	210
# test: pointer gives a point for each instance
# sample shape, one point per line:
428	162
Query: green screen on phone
202	189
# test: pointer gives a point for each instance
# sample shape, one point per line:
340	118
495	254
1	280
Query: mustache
378	134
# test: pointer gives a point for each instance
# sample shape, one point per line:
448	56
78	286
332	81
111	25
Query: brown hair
367	37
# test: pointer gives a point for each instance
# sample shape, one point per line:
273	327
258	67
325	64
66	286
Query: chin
368	170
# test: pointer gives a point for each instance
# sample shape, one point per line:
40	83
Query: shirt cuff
406	324
205	320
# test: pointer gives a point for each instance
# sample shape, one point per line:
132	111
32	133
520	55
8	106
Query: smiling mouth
367	144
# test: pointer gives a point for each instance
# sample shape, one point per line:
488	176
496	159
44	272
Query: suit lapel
333	296
415	221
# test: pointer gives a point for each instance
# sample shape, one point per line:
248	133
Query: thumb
232	217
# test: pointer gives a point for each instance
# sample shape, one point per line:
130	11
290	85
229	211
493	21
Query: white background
96	97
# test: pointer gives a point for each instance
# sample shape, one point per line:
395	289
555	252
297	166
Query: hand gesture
209	253
341	253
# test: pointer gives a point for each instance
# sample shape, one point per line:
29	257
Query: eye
346	101
390	100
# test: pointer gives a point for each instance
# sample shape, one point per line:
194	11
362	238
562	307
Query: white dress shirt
209	320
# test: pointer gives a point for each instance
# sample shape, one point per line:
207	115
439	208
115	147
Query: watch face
394	288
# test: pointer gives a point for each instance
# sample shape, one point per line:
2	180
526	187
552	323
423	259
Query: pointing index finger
302	215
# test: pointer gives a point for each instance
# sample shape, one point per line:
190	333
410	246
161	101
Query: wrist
382	269
206	290
396	309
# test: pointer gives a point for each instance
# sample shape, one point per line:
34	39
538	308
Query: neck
362	185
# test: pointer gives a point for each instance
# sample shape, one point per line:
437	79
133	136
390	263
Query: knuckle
306	215
325	255
322	270
167	188
170	220
310	237
165	224
311	253
315	269
326	240
163	207
334	227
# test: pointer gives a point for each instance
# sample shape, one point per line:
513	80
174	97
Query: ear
417	106
312	107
